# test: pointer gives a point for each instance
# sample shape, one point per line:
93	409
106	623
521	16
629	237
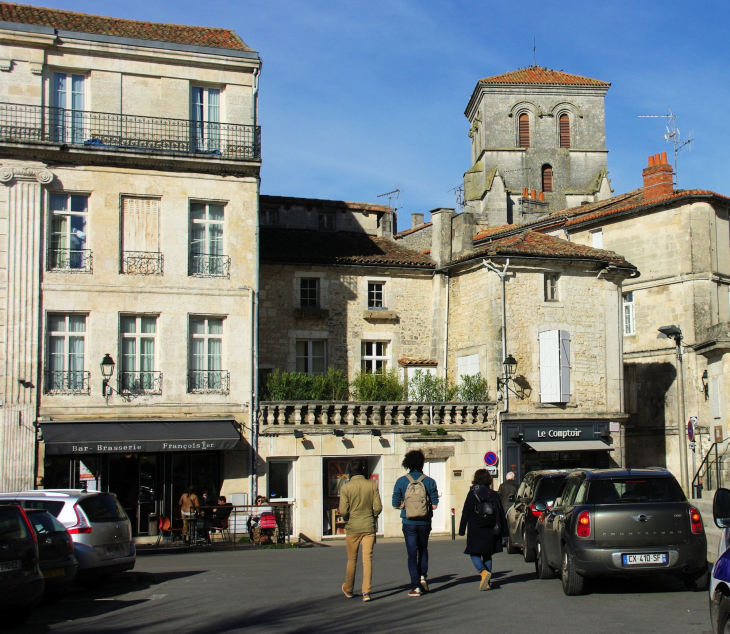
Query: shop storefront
147	464
553	444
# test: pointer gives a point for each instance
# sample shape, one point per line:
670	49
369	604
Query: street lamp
675	332
509	367
107	369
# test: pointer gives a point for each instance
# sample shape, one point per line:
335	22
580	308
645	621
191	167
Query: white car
100	528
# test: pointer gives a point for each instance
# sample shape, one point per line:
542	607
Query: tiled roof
322	203
536	244
87	23
544	76
408	232
490	231
315	247
407	361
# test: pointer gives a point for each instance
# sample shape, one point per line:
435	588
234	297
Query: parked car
537	486
55	551
720	581
620	522
101	530
21	581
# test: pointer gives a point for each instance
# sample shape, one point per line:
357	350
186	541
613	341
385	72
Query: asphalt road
298	590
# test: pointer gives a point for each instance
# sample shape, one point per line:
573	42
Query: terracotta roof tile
407	361
544	76
315	247
87	23
408	232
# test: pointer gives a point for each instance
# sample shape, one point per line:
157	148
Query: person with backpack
416	495
484	516
360	506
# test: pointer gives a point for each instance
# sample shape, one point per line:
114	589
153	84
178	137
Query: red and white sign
491	459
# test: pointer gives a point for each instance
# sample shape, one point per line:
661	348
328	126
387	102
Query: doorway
436	469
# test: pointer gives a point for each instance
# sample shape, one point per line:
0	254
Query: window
139	343
68	252
205	115
67	108
326	221
268	217
620	491
524	130
564	122
597	239
376	295
66	346
571	488
551	287
309	292
206	241
281	480
554	366
467	365
715	397
206	356
547	178
311	356
141	237
629	314
374	356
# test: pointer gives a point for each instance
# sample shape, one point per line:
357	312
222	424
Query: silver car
100	528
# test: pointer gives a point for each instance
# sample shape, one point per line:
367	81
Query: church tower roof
543	76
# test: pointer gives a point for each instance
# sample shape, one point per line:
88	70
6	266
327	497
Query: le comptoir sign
559	433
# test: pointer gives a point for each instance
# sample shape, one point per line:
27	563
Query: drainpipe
446	327
253	409
256	76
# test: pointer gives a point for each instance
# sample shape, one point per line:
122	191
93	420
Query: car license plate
9	565
55	572
116	549
645	558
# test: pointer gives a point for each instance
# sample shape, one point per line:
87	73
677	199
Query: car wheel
723	616
527	551
573	583
699	583
542	569
511	549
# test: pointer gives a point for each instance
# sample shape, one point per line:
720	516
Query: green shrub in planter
424	387
332	386
474	389
378	386
298	386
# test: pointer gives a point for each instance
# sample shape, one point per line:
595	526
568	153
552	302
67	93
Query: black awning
138	436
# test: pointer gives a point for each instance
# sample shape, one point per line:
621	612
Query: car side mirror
549	504
721	508
541	506
511	498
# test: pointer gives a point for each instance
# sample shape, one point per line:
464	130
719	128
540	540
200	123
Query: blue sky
360	97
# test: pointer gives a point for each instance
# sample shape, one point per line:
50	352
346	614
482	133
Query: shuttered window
524	130
554	366
715	397
467	366
140	224
564	130
547	178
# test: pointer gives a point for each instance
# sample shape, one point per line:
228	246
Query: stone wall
418	240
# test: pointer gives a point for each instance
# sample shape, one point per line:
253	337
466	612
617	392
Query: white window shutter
564	366
140	224
715	396
460	368
549	366
467	365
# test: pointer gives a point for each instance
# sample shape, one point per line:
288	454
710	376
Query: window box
379	315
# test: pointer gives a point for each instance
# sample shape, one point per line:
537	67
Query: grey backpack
416	499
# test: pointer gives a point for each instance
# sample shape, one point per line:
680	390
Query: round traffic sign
690	431
491	459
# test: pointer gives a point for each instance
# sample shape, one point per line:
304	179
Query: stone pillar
20	336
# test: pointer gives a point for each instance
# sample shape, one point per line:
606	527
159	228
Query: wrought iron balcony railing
69	382
140	382
70	260
108	131
142	263
208	382
205	265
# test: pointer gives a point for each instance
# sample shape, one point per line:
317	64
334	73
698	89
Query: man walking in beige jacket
360	506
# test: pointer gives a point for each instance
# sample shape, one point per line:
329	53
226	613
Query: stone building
538	144
130	158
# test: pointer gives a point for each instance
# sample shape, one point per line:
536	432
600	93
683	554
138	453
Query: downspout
256	76
446	327
254	403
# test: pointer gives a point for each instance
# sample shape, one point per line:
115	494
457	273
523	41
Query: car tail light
534	511
695	520
583	525
82	524
28	524
70	543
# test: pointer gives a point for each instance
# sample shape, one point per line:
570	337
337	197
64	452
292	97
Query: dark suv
620	522
537	487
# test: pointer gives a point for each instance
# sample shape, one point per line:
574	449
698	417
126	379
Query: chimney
658	178
416	220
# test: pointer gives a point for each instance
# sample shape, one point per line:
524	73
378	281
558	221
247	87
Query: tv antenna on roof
459	192
673	136
392	195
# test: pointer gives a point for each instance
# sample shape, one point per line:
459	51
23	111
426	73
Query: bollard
453	524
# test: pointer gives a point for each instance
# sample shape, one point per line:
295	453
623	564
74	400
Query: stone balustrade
278	414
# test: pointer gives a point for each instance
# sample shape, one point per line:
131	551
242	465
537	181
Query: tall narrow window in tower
564	130
547	178
524	130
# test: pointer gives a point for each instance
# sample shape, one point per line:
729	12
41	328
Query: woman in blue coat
483	541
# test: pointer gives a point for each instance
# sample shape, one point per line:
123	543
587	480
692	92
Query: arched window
547	178
524	130
564	130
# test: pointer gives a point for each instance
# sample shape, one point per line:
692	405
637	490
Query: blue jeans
417	547
482	562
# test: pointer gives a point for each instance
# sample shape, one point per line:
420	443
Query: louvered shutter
564	130
467	365
547	178
715	396
524	130
140	225
549	341
564	366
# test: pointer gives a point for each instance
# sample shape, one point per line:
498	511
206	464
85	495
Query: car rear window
12	525
54	508
548	488
631	490
44	523
102	508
